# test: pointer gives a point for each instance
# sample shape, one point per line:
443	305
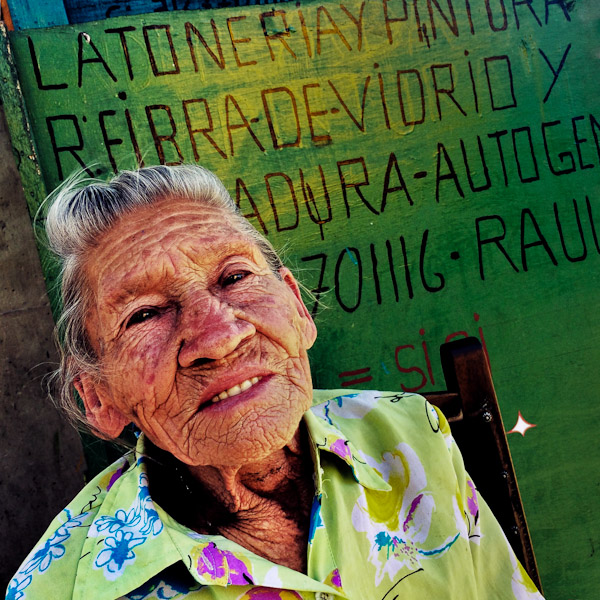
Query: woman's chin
251	449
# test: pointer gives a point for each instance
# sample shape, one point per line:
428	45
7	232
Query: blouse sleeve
497	571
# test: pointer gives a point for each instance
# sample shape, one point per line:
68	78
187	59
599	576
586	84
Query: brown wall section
41	459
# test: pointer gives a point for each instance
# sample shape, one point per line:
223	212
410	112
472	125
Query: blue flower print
51	550
316	522
152	522
348	406
117	552
53	547
16	587
157	589
42	557
121	520
46	554
73	521
125	530
339	401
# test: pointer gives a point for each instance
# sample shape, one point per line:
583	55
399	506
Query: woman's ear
309	327
99	408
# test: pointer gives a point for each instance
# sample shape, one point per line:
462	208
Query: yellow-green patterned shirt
394	515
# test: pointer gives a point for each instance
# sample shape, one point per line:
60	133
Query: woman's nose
210	331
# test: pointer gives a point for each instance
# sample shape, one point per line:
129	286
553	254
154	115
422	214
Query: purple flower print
217	564
264	593
117	474
340	447
472	505
336	580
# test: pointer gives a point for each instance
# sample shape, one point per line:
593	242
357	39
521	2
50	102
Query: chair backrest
471	407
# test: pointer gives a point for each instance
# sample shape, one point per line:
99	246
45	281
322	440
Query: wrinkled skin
185	307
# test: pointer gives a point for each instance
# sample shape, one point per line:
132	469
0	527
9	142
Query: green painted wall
432	168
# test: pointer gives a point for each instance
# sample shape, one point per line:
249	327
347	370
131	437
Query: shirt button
323	596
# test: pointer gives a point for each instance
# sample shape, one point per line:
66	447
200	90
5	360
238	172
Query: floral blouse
394	515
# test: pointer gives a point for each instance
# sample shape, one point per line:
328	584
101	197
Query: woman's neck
263	506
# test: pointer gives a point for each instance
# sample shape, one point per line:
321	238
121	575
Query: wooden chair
471	407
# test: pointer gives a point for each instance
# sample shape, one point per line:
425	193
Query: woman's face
199	343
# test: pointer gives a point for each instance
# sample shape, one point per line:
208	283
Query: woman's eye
233	278
140	316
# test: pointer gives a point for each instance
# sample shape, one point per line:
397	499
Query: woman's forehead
168	216
173	232
172	222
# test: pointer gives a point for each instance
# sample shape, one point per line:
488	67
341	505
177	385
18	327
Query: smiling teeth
237	389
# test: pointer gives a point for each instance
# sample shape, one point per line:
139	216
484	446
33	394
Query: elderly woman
245	482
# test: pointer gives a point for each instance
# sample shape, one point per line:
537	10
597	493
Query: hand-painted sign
433	164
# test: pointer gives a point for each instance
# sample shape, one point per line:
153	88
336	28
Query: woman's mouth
237	389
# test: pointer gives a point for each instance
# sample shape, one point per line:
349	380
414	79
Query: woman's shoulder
50	568
349	404
382	418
